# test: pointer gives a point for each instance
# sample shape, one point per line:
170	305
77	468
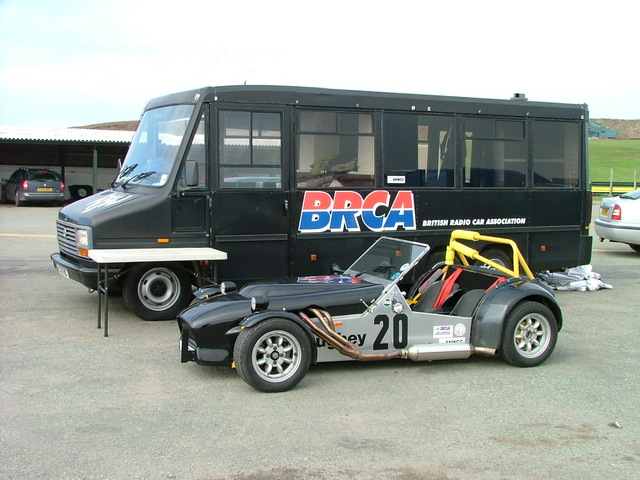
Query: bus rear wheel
156	292
498	256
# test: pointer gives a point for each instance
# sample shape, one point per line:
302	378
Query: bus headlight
82	238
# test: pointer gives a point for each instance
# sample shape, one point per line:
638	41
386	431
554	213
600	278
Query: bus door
189	203
250	204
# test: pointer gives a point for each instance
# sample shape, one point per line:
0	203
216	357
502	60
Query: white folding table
104	257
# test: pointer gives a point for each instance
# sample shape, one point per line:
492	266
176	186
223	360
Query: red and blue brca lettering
348	211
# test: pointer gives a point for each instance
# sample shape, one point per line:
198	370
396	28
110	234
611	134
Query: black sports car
272	332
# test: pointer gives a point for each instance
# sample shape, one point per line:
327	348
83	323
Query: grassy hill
621	155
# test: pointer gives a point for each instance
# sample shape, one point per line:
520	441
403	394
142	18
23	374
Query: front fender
490	317
255	318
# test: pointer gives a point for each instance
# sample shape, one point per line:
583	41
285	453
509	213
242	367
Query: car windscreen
635	195
42	176
387	260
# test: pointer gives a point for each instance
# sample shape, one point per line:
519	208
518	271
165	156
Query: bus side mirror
192	176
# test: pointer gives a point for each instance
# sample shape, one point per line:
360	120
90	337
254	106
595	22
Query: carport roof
63	135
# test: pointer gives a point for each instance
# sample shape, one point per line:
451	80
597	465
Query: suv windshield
154	147
389	259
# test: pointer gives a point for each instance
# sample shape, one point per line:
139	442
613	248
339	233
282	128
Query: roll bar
464	252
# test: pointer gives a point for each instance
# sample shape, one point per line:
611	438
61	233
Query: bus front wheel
156	292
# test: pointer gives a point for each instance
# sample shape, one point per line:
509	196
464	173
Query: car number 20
399	327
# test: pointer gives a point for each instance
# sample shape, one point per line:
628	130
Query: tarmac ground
77	405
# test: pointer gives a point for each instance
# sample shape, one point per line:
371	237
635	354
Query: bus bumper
87	276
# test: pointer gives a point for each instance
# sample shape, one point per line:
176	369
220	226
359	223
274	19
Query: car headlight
82	238
227	287
259	303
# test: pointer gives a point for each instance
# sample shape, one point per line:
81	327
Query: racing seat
424	281
437	294
468	302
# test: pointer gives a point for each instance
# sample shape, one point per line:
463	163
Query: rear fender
491	314
255	318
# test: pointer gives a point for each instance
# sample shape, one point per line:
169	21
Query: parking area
77	405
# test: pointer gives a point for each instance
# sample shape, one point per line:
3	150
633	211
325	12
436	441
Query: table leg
106	300
103	297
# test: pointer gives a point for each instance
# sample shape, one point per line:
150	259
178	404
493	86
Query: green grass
621	155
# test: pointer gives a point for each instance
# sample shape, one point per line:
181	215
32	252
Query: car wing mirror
336	270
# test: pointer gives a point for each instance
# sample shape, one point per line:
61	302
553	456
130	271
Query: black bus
289	180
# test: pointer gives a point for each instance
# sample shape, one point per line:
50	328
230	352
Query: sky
70	63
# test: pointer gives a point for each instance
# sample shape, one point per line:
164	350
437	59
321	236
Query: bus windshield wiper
138	177
124	172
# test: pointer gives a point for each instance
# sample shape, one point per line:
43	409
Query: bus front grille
67	238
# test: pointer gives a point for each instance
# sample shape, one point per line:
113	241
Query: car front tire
272	356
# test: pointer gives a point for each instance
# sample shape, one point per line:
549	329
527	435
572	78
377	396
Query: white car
619	219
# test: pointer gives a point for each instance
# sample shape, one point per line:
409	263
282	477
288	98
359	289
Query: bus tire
272	356
498	256
156	291
529	335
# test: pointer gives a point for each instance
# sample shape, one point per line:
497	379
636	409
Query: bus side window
556	154
418	150
249	150
334	149
495	153
196	153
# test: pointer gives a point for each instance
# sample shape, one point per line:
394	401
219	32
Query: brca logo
348	211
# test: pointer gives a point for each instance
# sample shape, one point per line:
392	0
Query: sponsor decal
356	338
459	330
475	222
396	179
451	340
442	331
104	201
351	212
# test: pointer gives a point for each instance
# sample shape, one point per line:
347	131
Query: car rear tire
530	334
635	247
157	292
272	356
19	203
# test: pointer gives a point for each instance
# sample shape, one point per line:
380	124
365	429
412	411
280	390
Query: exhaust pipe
428	352
421	353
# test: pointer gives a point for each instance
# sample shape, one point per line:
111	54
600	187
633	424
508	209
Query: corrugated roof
78	135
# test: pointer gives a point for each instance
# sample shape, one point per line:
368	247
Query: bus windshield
154	147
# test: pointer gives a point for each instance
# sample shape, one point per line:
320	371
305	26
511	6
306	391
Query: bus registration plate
63	271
